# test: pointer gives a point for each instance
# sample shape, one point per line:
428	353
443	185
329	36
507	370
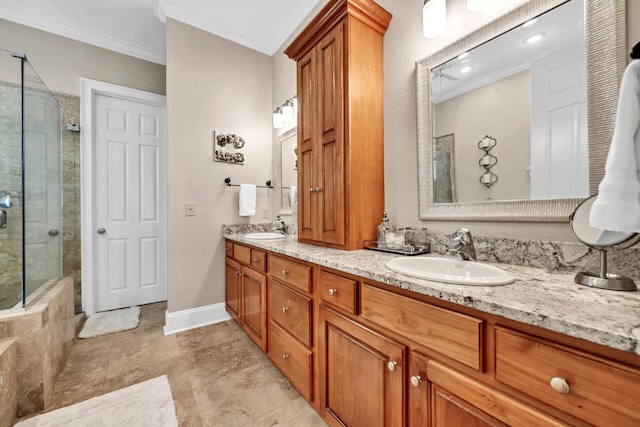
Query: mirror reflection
289	167
527	89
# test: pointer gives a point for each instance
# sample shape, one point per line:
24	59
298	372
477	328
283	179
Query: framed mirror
529	186
287	167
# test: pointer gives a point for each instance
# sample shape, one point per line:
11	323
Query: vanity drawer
290	272
451	334
259	260
598	391
242	253
338	291
293	359
291	310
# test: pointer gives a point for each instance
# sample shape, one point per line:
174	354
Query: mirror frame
290	133
606	59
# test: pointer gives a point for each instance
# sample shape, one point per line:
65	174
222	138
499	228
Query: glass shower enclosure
30	183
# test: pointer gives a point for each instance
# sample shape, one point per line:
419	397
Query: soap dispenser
384	227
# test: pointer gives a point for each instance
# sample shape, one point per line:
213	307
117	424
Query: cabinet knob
311	190
332	292
284	272
392	366
560	385
285	356
237	273
256	260
285	309
416	380
318	189
227	249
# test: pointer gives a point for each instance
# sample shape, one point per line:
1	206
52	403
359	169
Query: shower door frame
90	88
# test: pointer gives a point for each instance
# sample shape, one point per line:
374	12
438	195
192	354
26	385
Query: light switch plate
190	209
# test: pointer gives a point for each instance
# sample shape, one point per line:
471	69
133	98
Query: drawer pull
284	272
285	356
416	380
238	273
560	385
285	309
392	366
333	292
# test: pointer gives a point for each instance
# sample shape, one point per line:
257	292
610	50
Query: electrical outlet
190	209
265	213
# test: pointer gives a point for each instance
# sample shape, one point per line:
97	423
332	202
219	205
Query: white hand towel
293	198
617	207
247	200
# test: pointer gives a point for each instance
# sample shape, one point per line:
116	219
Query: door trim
88	90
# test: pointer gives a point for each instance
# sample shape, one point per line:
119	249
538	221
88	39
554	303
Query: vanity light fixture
286	113
434	18
535	38
477	5
278	119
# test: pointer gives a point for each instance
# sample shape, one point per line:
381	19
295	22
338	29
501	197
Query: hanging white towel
293	198
247	200
617	207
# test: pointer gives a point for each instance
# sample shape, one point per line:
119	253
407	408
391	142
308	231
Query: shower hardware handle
101	231
53	233
5	199
3	219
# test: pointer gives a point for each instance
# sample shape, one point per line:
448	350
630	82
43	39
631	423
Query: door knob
101	231
53	233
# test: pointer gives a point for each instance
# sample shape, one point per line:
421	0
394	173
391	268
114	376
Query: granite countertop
547	299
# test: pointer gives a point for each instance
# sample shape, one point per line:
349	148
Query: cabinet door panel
254	320
359	388
232	289
291	311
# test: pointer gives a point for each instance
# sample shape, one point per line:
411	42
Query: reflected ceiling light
477	5
434	18
529	22
466	68
464	55
535	38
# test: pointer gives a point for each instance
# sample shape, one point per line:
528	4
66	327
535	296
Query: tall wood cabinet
340	124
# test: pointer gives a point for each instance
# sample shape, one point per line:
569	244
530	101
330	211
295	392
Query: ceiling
136	27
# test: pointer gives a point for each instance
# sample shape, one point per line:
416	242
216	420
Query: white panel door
129	197
559	147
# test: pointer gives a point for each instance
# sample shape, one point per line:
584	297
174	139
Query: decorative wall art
487	161
226	148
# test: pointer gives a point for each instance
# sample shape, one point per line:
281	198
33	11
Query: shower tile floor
218	376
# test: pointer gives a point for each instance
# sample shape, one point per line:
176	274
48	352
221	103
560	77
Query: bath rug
108	322
148	403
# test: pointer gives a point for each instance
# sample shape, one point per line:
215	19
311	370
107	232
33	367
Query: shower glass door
42	186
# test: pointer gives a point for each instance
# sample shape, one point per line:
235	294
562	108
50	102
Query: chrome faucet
463	245
279	225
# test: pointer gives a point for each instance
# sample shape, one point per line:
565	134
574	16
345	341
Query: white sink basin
264	236
449	270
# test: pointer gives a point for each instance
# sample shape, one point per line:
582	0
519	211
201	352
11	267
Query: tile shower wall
10	176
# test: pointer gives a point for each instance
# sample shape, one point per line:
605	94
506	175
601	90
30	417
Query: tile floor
218	376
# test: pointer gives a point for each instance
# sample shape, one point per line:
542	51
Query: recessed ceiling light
529	22
464	55
466	68
535	38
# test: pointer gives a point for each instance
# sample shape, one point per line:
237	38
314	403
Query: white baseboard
194	318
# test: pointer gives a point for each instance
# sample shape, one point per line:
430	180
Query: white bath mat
148	403
108	322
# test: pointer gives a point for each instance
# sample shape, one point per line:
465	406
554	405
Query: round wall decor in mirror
601	240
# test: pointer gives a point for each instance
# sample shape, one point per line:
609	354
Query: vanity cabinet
246	290
368	354
340	124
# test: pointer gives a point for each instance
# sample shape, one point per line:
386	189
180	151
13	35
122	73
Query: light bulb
434	18
278	121
287	113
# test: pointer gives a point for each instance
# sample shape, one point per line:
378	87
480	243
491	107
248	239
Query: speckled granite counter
550	300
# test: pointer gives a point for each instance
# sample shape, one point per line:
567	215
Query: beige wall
212	84
403	46
500	110
61	62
